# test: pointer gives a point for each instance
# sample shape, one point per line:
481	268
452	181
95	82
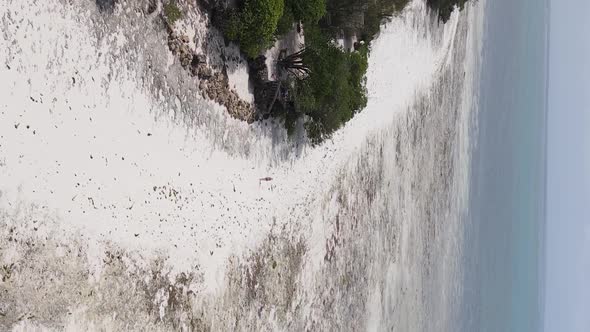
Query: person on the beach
268	178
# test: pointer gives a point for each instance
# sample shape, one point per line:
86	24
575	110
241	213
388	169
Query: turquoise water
507	201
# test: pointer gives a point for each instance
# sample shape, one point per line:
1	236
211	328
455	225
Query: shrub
258	23
231	25
307	10
335	88
286	22
172	12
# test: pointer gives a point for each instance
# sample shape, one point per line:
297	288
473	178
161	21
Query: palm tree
294	64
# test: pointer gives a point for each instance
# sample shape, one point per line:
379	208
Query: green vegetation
335	88
254	25
308	11
232	25
286	22
324	82
329	86
172	12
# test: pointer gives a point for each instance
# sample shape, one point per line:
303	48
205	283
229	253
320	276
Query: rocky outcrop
180	47
213	85
217	88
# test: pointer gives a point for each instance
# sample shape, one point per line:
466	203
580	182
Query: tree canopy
307	10
335	87
254	25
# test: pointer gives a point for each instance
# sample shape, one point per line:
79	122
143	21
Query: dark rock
198	63
152	6
106	5
198	59
204	72
185	61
